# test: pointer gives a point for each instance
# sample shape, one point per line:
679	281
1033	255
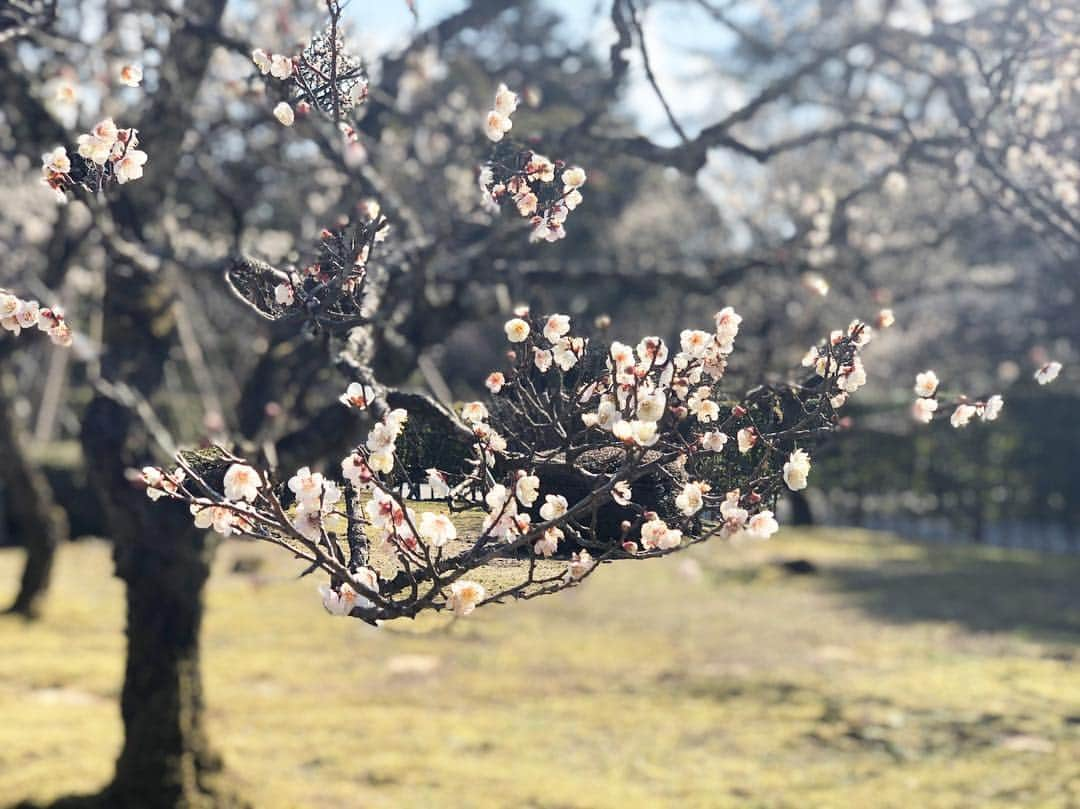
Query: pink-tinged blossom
356	396
580	564
242	482
692	498
130	166
747	437
922	410
131	75
495	381
762	525
555	506
962	415
283	294
465	596
555	327
926	384
549	542
437	481
517	330
713	441
436	529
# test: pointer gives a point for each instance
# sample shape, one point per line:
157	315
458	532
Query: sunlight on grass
705	680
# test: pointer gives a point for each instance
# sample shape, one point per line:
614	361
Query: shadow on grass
1036	596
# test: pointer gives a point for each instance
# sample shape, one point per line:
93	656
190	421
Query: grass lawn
896	675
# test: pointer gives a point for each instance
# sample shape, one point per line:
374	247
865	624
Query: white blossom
926	384
242	482
464	596
796	470
923	410
284	113
437	529
1048	373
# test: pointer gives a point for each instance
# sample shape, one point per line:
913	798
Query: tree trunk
41	524
801	513
166	761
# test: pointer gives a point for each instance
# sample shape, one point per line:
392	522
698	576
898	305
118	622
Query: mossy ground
896	676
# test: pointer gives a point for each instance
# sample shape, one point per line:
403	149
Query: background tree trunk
40	522
166	761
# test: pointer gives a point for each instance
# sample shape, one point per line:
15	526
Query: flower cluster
542	190
583	454
17	314
323	76
329	291
926	388
105	154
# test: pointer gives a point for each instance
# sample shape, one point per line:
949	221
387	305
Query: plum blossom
692	498
474	412
496	125
437	481
306	485
555	327
131	75
580	564
573	177
762	525
284	294
506	101
542	359
495	381
796	470
621	493
555	506
465	595
549	542
656	535
262	60
130	166
436	529
962	415
284	114
1048	373
747	437
343	600
242	482
923	410
517	330
713	441
159	484
926	384
281	67
991	408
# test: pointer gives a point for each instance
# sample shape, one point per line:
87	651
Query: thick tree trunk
166	761
41	524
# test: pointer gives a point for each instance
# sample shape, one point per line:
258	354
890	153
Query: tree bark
40	522
166	761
